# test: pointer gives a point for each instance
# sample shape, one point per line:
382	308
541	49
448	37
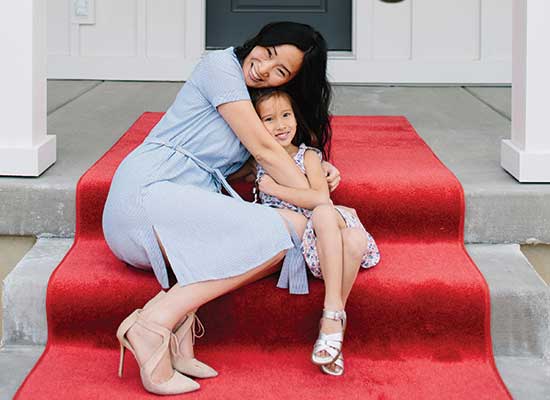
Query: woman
164	208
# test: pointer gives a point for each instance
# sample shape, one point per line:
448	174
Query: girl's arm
243	120
317	194
247	171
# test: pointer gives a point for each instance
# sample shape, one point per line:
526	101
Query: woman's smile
254	76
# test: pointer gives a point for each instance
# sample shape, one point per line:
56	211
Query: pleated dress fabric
171	184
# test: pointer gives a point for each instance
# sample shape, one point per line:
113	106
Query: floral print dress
371	256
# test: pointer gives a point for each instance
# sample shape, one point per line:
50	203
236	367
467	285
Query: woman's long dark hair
309	89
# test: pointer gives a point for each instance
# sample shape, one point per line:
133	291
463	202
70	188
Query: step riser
24	293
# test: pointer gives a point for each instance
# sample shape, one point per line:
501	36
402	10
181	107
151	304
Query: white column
25	148
527	155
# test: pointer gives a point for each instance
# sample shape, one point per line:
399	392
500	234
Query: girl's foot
328	345
336	368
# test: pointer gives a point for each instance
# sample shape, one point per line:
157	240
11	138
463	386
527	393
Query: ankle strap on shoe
335	315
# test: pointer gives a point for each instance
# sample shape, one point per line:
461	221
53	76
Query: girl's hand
332	174
267	185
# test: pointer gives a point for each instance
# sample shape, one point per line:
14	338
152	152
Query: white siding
415	41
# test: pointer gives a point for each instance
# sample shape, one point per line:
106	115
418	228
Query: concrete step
525	377
464	128
520	315
24	293
520	300
15	363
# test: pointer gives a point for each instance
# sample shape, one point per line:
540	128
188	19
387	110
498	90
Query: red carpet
418	322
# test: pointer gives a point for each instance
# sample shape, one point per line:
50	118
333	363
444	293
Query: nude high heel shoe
188	365
178	383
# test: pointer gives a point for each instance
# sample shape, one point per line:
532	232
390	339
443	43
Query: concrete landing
464	127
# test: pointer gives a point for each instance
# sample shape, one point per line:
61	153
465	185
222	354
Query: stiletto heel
330	343
178	383
188	365
121	363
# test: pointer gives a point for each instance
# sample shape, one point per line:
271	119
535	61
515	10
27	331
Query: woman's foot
137	334
182	352
183	358
145	343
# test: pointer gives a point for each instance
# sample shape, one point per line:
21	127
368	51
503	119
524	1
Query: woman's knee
354	241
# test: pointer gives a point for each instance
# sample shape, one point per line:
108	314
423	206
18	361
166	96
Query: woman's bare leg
179	300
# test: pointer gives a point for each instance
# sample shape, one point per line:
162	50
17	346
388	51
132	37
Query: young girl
335	243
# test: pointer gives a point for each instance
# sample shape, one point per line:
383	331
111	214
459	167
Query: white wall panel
165	28
446	29
496	22
115	32
58	27
414	41
392	40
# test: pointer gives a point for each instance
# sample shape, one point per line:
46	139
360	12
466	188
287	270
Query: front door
232	22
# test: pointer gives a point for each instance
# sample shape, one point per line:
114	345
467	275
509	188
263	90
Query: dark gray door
231	22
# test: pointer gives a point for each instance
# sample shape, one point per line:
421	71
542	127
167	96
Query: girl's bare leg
327	224
355	244
179	300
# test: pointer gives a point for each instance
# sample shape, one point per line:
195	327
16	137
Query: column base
526	167
28	161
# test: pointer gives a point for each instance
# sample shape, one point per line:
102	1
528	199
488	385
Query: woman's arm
243	120
317	194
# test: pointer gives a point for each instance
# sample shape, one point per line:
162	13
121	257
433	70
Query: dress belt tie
293	272
215	172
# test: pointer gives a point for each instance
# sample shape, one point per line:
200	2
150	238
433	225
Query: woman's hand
267	185
332	174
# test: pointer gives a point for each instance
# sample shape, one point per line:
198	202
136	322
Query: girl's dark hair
310	89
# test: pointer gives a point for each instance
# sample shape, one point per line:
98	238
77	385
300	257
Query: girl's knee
322	214
354	241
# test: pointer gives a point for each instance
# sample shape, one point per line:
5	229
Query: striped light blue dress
171	184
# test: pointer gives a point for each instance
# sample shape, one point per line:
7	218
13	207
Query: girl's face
272	66
278	118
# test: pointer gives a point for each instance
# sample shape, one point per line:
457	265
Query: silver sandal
339	363
330	343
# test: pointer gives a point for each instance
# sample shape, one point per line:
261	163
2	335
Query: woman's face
278	118
272	66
